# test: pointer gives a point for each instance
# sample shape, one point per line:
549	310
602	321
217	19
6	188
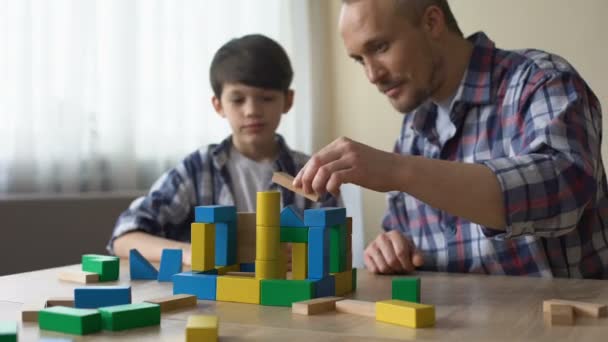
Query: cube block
106	266
407	289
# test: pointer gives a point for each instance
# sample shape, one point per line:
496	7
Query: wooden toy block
325	287
349	226
294	234
324	217
247	267
175	302
59	301
291	216
580	308
106	266
215	213
558	314
222	270
315	306
299	261
29	312
130	316
70	320
93	297
285	292
268	269
337	249
225	243
268	243
318	252
202	237
268	209
203	286
140	268
8	331
356	307
170	264
349	261
80	277
241	274
238	289
354	279
246	229
286	181
407	289
413	315
344	282
202	328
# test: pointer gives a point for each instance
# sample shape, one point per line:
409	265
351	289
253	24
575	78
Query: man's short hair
254	60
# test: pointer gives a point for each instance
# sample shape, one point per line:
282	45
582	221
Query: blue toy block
247	267
211	272
318	252
170	264
325	287
203	286
140	268
324	217
225	243
94	297
215	213
291	216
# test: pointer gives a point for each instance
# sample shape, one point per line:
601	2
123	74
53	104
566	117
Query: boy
250	77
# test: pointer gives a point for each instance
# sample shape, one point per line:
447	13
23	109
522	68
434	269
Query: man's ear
217	105
289	96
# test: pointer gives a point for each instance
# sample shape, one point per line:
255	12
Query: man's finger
388	253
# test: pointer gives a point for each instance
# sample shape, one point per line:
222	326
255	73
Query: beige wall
569	28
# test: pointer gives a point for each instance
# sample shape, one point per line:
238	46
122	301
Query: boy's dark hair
254	60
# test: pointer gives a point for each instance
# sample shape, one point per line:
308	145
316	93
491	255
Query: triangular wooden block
140	268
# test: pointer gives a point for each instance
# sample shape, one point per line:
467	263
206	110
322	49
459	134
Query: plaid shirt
202	178
530	118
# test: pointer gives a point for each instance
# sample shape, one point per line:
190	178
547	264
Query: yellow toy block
201	328
268	212
344	282
268	269
221	270
268	243
404	313
203	246
238	289
299	261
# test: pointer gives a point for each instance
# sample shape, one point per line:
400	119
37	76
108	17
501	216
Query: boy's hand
347	161
392	252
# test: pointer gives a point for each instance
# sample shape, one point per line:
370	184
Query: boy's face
253	113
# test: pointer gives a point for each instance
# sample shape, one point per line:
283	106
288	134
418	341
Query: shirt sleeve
548	184
168	204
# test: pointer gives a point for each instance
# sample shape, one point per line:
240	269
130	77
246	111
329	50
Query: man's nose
375	72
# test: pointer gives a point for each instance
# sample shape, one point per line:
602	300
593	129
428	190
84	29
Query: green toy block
129	316
354	279
8	331
70	320
281	292
407	289
106	266
294	234
337	243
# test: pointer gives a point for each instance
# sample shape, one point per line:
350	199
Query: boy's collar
221	152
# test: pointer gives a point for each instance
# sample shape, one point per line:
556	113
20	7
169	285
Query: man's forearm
150	246
470	191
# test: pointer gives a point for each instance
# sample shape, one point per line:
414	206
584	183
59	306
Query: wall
568	28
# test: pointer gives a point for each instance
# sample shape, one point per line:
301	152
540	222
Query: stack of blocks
321	255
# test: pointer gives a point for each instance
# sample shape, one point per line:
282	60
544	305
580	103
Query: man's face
397	56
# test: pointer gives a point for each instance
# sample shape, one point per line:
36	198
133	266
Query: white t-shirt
248	177
445	126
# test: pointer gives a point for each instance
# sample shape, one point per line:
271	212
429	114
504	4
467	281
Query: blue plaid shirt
530	118
202	178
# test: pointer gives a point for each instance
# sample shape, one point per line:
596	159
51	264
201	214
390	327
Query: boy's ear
289	96
217	105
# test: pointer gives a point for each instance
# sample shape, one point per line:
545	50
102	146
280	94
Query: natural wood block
559	314
202	328
80	277
404	313
60	301
580	308
286	181
246	230
315	306
356	307
174	302
29	312
344	282
241	274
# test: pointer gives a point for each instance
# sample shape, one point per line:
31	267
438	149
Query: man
497	169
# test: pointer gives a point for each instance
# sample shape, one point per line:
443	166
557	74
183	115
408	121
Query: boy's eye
267	98
237	100
381	47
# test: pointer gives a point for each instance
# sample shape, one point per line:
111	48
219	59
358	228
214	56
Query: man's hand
392	252
347	161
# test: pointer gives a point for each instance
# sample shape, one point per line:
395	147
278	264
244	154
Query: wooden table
468	307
